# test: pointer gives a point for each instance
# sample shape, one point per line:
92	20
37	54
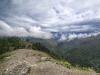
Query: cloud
39	18
7	30
4	26
74	36
39	33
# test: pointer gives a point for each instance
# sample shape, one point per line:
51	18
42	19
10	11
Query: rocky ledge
29	62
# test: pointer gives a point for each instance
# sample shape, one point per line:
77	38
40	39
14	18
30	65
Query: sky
48	18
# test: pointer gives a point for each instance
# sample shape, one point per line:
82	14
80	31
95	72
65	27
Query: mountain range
83	51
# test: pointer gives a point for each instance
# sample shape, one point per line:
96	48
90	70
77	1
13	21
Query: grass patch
41	53
60	61
3	56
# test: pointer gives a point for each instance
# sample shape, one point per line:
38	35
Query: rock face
21	69
27	62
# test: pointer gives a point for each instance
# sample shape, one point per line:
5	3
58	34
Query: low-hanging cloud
39	18
78	36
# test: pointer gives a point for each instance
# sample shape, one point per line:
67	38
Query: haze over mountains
49	18
68	28
83	51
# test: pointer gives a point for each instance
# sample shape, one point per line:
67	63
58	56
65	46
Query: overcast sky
38	18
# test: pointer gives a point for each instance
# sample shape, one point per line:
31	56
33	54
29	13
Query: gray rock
45	59
21	69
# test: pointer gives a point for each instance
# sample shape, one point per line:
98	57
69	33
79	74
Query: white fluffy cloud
7	30
74	36
39	33
38	18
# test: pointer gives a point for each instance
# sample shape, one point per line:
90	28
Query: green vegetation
8	44
83	52
58	59
80	55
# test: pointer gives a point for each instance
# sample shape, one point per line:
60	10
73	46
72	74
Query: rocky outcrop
29	62
20	69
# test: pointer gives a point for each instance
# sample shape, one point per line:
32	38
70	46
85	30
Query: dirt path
29	62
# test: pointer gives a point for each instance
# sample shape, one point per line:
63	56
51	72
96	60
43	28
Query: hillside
32	62
84	51
16	46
